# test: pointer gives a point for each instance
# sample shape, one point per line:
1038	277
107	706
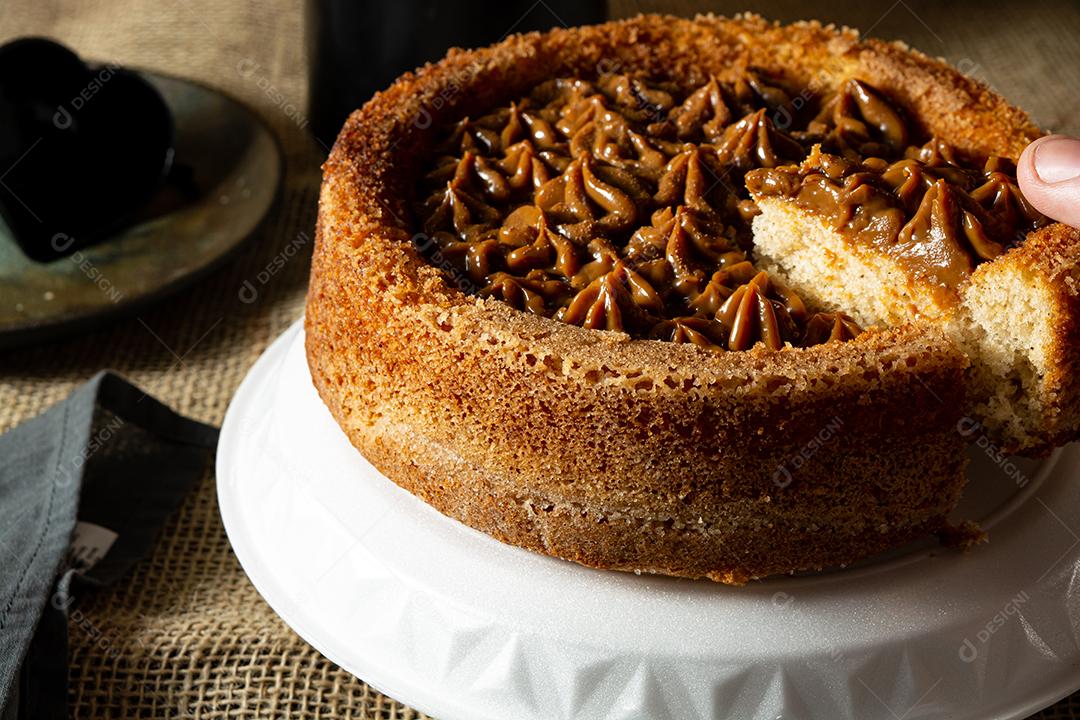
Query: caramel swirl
695	330
750	315
830	327
755	142
704	113
858	121
624	204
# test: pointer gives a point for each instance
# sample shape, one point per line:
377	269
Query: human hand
1049	177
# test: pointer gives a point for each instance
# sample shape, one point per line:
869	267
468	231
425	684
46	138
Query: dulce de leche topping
927	210
623	205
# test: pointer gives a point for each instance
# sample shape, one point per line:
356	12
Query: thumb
1049	177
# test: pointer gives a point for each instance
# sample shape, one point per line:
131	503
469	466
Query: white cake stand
465	628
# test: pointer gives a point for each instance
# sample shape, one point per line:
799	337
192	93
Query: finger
1049	177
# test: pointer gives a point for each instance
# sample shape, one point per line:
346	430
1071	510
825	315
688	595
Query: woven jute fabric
186	635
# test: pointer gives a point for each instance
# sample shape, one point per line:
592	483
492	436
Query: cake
614	294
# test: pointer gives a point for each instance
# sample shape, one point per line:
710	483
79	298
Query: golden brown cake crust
622	453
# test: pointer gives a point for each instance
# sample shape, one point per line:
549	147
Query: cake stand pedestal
463	627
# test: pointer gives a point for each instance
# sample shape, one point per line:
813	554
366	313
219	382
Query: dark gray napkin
84	490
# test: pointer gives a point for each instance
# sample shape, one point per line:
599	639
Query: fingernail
1058	160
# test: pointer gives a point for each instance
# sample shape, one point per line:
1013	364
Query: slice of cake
927	239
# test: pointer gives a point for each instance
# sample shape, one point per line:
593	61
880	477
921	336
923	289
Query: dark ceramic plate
227	172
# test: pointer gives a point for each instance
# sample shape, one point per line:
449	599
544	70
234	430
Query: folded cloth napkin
84	490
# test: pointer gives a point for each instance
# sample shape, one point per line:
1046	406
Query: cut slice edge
1017	319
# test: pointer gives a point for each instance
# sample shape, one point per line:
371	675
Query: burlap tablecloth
187	636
